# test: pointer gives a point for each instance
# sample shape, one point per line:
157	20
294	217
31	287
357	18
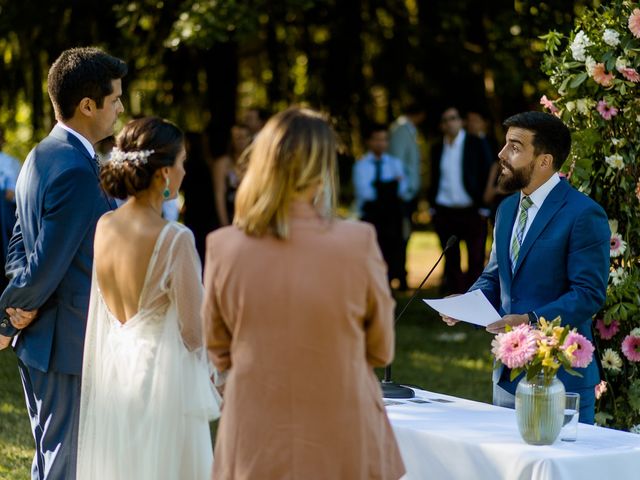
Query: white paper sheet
472	307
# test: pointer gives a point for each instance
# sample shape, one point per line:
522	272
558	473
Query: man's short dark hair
414	108
79	73
374	127
550	134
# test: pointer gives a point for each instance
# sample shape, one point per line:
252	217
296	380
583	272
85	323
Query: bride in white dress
146	395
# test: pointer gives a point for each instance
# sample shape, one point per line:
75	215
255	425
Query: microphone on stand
391	389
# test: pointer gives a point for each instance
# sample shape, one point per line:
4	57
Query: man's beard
518	179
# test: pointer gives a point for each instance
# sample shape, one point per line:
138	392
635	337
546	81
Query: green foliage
595	73
205	22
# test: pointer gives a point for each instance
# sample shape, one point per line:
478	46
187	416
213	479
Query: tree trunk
221	64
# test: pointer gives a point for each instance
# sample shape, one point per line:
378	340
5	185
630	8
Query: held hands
513	320
4	342
448	320
21	318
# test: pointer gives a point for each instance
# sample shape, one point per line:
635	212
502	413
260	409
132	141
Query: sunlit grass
16	443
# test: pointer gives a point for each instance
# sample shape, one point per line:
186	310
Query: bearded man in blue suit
550	254
50	257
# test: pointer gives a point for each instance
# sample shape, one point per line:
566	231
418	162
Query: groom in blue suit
50	258
550	254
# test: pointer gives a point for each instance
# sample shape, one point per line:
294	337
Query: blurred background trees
200	62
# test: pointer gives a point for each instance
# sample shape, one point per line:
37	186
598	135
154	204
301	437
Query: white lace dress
147	397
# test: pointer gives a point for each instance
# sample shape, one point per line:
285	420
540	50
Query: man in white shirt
380	188
459	169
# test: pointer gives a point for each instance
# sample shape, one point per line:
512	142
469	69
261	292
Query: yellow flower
550	362
545	350
558	331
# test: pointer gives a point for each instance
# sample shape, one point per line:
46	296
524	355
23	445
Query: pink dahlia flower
630	74
515	348
600	75
601	389
634	22
631	348
607	332
583	354
548	104
606	111
638	190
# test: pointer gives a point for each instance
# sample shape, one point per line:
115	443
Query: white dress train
146	394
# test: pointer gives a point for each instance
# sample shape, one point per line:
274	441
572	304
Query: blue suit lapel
551	205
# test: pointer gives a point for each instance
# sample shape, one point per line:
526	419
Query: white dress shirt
537	197
451	192
364	174
86	143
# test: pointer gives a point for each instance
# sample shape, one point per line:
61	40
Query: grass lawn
429	354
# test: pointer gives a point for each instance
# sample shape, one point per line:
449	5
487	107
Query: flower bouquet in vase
540	351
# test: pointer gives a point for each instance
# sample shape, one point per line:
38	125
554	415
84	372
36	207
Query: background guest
459	169
403	144
380	187
9	170
255	118
227	173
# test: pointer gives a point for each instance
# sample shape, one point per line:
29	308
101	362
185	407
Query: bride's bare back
124	243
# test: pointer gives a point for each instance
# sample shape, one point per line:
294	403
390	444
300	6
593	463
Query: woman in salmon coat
297	313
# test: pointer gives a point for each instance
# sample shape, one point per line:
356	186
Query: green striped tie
516	242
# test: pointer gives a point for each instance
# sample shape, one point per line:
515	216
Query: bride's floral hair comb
136	157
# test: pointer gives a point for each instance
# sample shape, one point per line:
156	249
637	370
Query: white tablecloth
467	440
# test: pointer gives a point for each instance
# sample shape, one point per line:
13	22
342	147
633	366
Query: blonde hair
295	150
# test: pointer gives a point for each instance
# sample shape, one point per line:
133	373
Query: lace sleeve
185	288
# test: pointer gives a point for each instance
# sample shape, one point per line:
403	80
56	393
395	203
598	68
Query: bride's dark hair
131	166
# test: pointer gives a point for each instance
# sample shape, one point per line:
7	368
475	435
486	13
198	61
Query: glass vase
540	409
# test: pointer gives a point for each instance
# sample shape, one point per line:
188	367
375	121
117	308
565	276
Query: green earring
166	193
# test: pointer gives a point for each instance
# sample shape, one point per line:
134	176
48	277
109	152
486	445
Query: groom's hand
446	319
513	320
21	318
4	342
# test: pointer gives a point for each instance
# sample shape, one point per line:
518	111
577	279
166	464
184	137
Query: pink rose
601	389
600	75
548	104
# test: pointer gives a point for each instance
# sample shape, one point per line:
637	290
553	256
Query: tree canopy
199	62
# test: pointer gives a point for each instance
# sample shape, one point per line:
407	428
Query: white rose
582	105
611	37
590	65
579	46
621	63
